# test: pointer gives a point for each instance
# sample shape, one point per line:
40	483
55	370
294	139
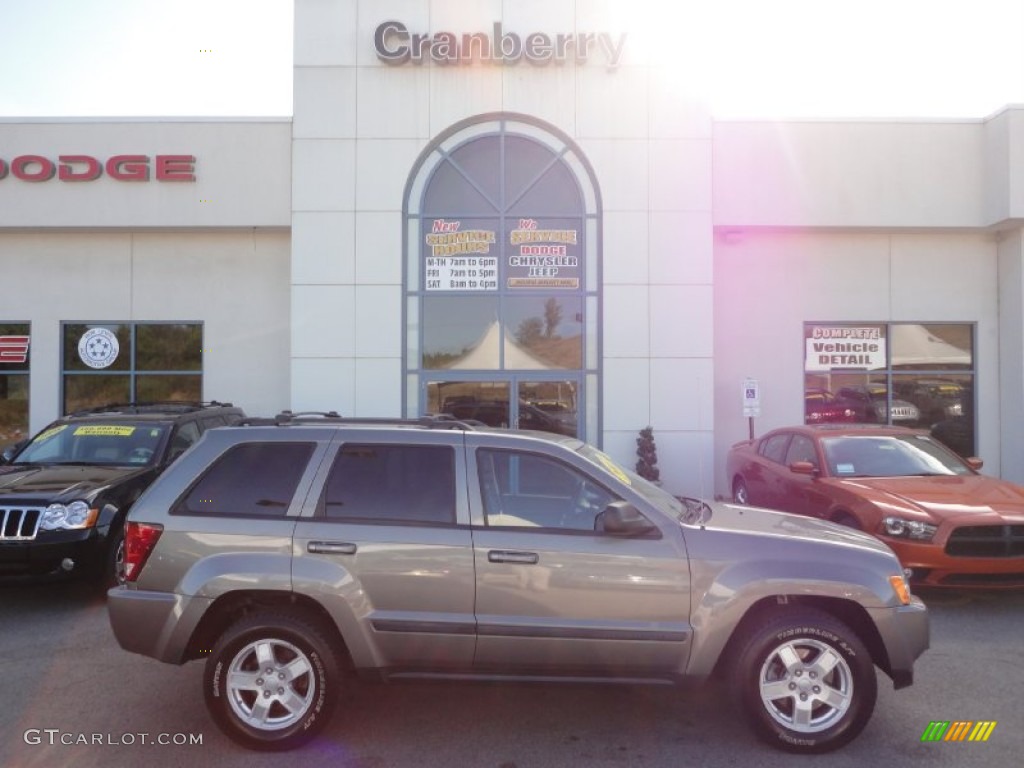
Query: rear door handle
504	556
331	548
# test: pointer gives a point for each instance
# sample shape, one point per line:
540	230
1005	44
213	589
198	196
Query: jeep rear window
249	480
392	483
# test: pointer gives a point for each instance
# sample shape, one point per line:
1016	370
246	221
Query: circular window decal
98	348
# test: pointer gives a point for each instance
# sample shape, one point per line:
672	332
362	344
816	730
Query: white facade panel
378	321
681	247
323	247
627	383
626	244
323	321
378	387
382	169
323	98
323	384
627	321
612	104
680	172
323	175
458	93
392	103
681	318
622	169
326	33
379	247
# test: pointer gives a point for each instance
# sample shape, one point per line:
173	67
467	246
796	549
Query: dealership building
514	212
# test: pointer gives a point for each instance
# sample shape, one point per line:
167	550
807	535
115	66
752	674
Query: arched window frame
564	150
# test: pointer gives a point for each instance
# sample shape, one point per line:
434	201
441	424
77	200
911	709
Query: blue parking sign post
751	402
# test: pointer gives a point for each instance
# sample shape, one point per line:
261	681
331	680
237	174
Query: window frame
132	373
417	212
177	508
320	514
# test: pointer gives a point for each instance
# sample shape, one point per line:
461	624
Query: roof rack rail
134	406
430	421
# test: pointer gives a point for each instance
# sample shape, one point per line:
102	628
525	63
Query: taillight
139	540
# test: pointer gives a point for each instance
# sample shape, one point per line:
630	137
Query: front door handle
504	556
331	548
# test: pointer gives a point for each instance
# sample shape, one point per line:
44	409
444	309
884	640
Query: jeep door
556	596
385	546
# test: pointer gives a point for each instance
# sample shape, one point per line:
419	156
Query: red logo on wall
88	168
13	349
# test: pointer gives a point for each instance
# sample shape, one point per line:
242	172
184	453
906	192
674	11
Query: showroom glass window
910	374
14	372
130	362
502	255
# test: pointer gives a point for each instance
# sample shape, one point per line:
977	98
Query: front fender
723	598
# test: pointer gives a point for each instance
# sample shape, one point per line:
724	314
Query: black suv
65	492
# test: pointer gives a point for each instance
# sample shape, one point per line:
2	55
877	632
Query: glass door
547	405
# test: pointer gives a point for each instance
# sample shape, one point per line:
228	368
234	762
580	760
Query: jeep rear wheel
271	681
806	682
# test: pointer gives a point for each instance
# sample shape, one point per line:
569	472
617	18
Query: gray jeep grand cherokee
292	553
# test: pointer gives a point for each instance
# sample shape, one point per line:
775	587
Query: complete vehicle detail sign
395	44
843	347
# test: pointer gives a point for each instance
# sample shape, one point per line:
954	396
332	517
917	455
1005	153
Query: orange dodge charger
949	525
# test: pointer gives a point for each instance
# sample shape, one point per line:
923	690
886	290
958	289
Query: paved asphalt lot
61	669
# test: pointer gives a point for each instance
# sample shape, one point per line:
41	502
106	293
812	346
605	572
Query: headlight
909	529
71	516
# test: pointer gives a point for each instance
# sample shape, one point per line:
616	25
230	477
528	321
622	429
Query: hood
942	497
770	524
60	483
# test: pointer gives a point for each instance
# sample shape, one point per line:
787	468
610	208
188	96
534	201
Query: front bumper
82	549
931	567
905	635
155	624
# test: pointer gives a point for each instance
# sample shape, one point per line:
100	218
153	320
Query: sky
756	58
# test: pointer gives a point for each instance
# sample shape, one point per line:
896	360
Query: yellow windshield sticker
614	468
104	430
50	433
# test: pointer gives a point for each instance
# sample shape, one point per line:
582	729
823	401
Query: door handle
522	558
331	548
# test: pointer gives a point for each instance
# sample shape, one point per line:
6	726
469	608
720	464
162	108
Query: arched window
503	260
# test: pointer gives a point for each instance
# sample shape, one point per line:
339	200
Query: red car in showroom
949	525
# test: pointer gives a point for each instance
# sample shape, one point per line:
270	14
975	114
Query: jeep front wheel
271	681
806	682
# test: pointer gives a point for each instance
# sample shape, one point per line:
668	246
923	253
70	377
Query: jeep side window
527	490
248	480
378	483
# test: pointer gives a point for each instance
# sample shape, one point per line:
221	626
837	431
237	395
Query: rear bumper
154	624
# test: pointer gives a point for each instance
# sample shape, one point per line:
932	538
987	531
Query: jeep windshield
107	443
664	500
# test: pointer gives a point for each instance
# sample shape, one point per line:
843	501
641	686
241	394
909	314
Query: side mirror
621	518
803	468
975	463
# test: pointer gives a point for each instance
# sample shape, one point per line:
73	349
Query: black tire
113	561
300	705
740	492
827	680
